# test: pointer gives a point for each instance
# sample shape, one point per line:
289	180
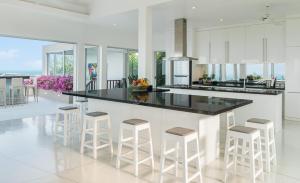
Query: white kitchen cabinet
236	44
275	43
203	47
218	43
255	43
292	96
292	32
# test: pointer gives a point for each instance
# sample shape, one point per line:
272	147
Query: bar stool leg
162	159
66	127
198	161
236	141
226	156
83	136
273	146
267	146
95	140
260	158
185	163
136	153
176	158
120	144
110	135
151	148
252	162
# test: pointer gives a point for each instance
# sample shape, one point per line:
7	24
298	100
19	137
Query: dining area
16	89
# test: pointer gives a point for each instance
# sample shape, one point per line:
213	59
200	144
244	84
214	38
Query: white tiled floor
29	155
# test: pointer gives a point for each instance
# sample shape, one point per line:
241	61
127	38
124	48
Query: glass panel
69	62
230	75
116	63
210	70
51	63
59	64
217	72
132	65
160	68
91	59
254	71
279	71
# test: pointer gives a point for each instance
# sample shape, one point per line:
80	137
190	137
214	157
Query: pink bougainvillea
55	83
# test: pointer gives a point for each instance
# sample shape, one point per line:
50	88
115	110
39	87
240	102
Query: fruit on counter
143	82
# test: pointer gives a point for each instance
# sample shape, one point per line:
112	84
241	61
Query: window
69	62
254	71
279	71
132	64
60	63
160	68
91	60
214	71
276	71
230	72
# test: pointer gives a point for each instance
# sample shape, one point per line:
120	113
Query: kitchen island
267	103
165	110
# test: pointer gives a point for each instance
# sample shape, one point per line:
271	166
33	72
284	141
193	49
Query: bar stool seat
267	133
183	137
259	121
135	121
242	129
68	108
95	120
82	100
135	126
180	131
96	114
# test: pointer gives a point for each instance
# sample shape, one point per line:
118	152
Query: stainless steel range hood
181	41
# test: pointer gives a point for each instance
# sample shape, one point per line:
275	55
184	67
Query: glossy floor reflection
29	155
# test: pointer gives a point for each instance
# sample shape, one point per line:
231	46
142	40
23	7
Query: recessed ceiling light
194	7
115	25
221	19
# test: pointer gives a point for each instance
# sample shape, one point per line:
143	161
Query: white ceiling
77	6
207	12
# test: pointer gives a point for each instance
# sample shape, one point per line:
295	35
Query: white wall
115	64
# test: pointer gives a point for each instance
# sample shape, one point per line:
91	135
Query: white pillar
79	69
145	66
103	67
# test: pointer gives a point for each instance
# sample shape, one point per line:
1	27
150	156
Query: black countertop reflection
160	99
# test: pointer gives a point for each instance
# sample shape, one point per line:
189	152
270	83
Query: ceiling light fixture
194	7
115	25
221	19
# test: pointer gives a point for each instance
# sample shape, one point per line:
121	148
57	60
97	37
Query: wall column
146	66
103	67
79	69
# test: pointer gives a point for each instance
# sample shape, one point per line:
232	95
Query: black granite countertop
13	76
229	89
160	99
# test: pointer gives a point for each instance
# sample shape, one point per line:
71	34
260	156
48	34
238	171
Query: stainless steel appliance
181	63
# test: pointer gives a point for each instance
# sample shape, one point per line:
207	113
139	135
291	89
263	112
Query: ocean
27	73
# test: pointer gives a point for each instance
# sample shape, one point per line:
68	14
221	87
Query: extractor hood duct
181	41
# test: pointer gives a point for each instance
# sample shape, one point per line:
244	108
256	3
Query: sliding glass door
160	62
92	67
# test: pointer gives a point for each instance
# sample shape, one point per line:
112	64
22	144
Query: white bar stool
249	136
135	126
3	92
267	133
230	120
70	121
96	120
182	137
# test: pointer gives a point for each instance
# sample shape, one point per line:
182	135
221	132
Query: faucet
244	83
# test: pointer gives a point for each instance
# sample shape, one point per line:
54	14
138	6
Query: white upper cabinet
275	43
236	45
203	47
218	44
292	32
255	44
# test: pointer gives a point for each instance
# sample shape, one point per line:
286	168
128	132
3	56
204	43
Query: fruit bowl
140	85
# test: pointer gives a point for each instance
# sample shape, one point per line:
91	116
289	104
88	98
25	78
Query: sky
21	54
